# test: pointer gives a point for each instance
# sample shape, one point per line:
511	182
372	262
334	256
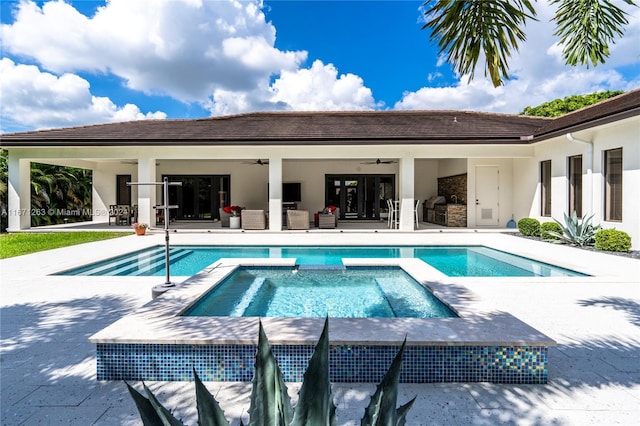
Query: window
613	184
545	188
575	185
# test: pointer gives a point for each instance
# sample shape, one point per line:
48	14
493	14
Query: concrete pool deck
48	366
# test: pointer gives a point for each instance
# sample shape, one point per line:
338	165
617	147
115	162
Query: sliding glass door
360	197
199	197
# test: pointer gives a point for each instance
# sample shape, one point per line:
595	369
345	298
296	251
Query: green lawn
24	243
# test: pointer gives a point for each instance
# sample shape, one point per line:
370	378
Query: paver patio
48	366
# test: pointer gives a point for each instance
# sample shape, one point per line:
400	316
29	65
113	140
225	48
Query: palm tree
55	188
52	187
465	28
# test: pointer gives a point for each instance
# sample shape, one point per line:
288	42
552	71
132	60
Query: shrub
529	226
270	402
575	232
613	240
545	227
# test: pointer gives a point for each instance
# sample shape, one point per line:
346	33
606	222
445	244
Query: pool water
380	292
486	262
459	261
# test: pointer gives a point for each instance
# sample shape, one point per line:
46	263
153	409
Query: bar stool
415	213
394	214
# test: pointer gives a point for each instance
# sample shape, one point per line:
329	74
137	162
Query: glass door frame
216	192
365	190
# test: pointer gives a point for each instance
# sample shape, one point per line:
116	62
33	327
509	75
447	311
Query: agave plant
576	232
270	402
382	406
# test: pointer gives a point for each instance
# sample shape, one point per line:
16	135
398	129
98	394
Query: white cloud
480	95
220	54
42	100
226	102
320	88
463	96
256	53
538	74
433	76
182	48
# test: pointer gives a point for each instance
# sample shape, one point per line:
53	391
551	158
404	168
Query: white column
101	185
407	184
275	194
147	193
19	191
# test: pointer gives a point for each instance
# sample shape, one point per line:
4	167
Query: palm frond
465	29
587	27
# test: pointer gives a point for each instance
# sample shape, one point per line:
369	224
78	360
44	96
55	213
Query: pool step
127	265
248	297
174	256
108	266
407	298
316	267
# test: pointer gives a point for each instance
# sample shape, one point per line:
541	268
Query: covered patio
186	226
355	161
489	169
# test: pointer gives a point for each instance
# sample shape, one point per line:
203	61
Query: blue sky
85	62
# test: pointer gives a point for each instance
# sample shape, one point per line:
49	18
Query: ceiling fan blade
379	161
134	162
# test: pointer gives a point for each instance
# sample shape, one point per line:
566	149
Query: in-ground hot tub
157	342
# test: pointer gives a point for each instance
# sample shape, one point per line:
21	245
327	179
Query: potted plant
234	220
140	228
233	210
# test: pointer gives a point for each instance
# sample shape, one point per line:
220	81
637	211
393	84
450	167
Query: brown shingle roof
344	127
295	127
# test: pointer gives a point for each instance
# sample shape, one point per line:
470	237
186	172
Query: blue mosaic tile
347	363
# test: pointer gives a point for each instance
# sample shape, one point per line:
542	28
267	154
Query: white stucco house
497	166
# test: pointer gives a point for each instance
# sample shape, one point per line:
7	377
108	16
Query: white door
487	195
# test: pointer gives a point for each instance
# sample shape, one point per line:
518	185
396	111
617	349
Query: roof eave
539	137
48	142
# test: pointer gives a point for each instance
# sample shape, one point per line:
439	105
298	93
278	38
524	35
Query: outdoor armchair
253	219
297	219
328	220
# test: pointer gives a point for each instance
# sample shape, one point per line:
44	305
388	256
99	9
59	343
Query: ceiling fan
258	162
379	161
133	162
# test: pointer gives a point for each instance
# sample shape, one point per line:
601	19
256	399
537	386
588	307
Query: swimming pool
456	261
380	292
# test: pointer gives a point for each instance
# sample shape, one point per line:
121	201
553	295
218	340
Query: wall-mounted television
291	192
